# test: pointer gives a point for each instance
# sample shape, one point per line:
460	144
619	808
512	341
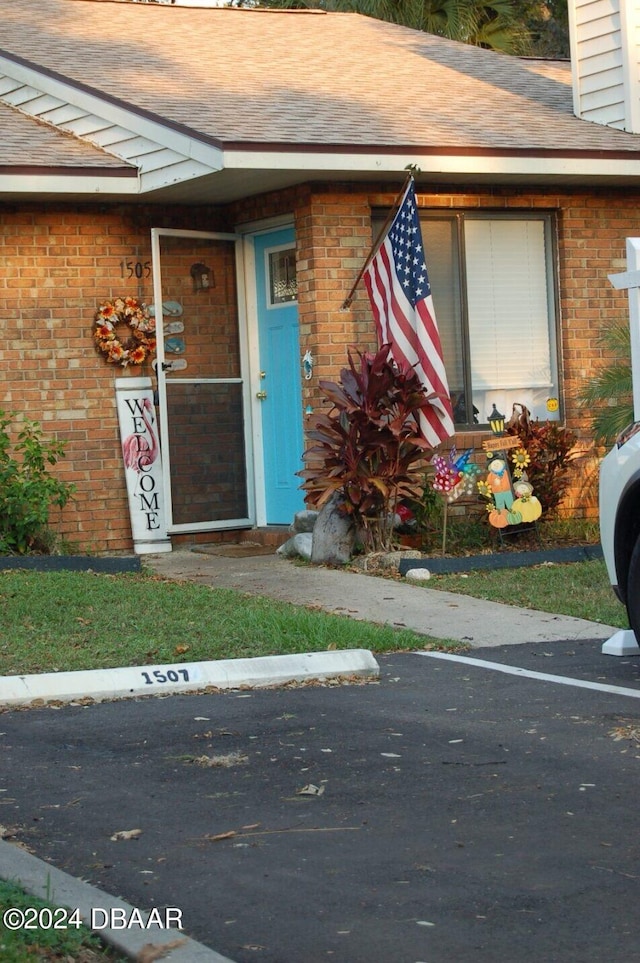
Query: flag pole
374	250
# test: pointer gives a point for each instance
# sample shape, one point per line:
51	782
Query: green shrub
27	489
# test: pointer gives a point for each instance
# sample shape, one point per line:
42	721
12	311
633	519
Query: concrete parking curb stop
56	887
145	680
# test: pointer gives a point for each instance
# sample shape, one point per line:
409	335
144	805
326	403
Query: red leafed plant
366	449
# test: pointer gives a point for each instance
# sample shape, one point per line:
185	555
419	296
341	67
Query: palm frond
496	24
609	393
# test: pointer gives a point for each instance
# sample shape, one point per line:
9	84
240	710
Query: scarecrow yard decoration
506	487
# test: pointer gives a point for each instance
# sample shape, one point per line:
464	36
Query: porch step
274	535
269	537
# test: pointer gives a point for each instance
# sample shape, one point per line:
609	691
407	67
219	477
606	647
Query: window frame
458	219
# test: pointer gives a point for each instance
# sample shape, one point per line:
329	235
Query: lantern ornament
496	422
202	277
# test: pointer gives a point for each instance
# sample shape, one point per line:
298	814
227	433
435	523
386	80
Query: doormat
235	551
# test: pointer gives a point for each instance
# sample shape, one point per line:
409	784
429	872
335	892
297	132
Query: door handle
261	395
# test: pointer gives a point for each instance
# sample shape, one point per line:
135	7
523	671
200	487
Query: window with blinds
511	334
494	293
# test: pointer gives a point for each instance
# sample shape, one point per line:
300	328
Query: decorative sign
509	493
142	463
170	366
504	443
171	309
174	345
173	327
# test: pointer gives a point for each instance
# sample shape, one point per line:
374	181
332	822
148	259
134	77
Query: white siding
605	56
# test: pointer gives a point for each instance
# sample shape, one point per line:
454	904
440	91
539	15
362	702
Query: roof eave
249	170
469	160
80	182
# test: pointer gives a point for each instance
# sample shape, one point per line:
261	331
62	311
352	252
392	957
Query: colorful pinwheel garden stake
467	484
446	477
454	476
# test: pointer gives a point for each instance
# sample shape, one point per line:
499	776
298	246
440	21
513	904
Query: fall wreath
140	343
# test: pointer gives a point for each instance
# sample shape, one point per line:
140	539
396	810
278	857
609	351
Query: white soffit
162	155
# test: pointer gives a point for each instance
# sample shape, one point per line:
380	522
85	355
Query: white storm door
202	379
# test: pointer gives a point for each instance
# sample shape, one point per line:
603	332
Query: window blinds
508	312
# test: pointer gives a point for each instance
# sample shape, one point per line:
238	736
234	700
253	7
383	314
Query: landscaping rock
334	535
391	560
287	549
383	563
418	575
304	521
297	547
303	543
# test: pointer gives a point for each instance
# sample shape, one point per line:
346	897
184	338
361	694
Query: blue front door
280	374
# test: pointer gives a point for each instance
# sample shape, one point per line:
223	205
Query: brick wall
592	241
334	236
57	263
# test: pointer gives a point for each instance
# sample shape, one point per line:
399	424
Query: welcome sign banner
142	464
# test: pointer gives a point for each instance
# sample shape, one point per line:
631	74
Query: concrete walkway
430	612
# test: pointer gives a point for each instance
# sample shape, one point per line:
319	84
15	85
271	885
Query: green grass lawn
63	621
580	589
46	943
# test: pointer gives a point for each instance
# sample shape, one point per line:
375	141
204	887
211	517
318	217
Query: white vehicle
620	520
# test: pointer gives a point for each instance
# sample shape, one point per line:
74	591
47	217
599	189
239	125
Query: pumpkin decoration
531	509
526	502
498	518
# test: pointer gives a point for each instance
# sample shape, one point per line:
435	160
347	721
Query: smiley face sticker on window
552	404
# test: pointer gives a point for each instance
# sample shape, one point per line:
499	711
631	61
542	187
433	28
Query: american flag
400	294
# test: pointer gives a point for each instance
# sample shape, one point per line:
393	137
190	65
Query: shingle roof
256	77
29	143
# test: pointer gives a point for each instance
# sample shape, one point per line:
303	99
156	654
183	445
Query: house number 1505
135	269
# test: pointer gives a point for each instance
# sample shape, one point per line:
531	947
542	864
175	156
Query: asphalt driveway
448	813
